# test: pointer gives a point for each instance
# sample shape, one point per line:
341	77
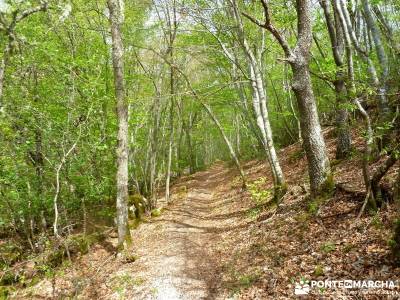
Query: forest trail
176	251
217	241
178	255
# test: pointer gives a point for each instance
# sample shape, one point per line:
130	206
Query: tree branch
271	28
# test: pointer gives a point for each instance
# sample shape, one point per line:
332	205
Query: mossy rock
76	244
156	212
9	278
140	204
55	257
182	189
9	254
81	243
130	258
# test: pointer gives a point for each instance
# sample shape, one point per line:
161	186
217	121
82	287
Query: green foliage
247	280
328	247
376	222
9	254
59	92
318	271
296	155
394	242
253	213
348	247
257	192
156	212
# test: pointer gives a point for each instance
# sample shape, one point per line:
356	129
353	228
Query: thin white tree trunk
260	103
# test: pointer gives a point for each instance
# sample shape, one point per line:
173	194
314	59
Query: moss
9	254
9	278
395	243
81	243
138	281
328	247
376	222
279	192
156	212
319	270
315	203
130	258
55	258
326	192
329	185
244	281
139	202
254	212
134	224
5	292
348	247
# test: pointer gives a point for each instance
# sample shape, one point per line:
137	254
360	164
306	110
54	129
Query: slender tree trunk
260	106
170	151
187	126
154	147
237	133
352	91
375	80
227	142
39	157
396	192
382	58
172	24
343	145
116	20
3	65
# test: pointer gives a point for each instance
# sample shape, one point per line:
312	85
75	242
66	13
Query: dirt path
179	255
176	250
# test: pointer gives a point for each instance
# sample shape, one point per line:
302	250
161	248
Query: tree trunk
170	150
343	133
375	80
298	58
227	142
116	20
314	144
382	58
313	140
154	147
3	64
260	105
343	145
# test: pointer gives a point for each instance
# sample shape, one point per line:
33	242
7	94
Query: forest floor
217	241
